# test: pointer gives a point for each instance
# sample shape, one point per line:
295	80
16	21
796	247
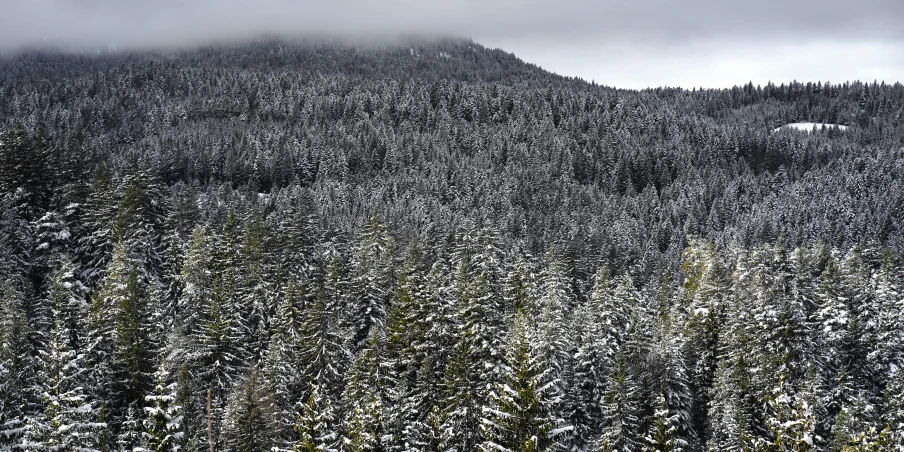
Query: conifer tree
321	346
704	287
255	293
18	396
620	409
69	419
663	431
119	347
893	409
553	321
521	413
197	280
364	399
316	426
281	365
218	355
163	423
370	284
248	420
791	422
597	331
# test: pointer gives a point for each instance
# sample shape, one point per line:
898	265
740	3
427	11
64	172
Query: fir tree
521	414
663	431
69	420
163	424
370	284
620	409
316	426
18	397
364	399
248	418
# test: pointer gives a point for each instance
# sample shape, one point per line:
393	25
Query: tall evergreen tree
248	417
18	386
316	426
163	424
70	416
521	415
371	283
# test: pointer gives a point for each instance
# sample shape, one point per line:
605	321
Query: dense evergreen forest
434	246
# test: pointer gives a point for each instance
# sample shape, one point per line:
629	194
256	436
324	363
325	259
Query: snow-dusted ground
808	126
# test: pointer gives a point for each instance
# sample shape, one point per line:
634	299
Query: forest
429	245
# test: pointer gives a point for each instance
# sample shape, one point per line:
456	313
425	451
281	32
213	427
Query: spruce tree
364	399
18	396
316	426
370	284
663	431
69	420
163	423
248	419
620	408
521	414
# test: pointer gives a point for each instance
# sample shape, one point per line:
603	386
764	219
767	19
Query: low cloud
645	36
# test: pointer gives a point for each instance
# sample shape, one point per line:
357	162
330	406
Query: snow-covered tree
316	426
521	414
163	423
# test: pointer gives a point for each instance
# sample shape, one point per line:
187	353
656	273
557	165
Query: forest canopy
433	245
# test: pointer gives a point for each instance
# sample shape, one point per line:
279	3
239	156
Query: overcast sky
630	43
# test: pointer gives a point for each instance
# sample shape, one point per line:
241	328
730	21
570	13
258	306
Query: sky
625	43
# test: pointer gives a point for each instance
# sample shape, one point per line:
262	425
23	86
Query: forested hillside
433	246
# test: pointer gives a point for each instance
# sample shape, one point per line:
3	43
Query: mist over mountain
425	244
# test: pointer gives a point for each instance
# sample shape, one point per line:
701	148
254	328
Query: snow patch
809	126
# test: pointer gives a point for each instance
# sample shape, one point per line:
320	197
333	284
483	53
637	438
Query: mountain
456	59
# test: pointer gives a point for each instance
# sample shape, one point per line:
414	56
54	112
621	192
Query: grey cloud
659	22
627	43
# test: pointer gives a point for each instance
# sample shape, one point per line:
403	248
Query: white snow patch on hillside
808	126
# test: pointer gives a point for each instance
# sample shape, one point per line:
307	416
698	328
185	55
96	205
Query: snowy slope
808	126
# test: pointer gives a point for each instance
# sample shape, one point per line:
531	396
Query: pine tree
26	160
791	422
282	365
131	429
364	399
411	350
316	427
163	424
133	350
18	397
703	289
474	361
460	419
620	408
248	418
370	284
597	331
554	320
196	279
296	235
663	432
69	419
119	348
218	357
732	424
728	413
521	413
255	293
893	409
